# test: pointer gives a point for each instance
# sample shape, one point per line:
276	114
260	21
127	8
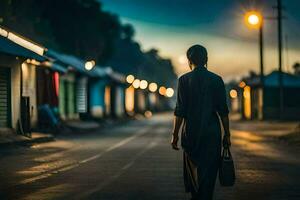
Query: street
135	161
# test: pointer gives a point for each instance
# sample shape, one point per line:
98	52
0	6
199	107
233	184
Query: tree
296	68
82	28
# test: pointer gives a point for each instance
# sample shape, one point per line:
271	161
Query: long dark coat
201	98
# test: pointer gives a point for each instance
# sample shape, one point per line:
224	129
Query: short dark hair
197	55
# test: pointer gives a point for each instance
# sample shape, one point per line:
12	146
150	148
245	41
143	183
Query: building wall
15	95
96	100
291	99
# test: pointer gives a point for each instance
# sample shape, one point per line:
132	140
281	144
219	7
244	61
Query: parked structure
258	103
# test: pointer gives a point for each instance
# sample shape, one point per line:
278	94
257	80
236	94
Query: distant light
89	65
143	84
233	93
136	83
242	84
152	87
130	79
148	114
162	90
169	92
25	43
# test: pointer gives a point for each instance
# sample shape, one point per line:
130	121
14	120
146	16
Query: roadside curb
28	141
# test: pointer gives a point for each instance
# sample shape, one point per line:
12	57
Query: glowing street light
136	83
89	65
253	19
143	84
152	87
169	92
130	79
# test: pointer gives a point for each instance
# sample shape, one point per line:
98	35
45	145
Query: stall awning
68	61
9	47
79	66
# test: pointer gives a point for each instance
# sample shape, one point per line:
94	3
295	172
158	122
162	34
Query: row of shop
39	88
253	101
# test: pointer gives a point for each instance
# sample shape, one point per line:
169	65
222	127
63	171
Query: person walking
201	102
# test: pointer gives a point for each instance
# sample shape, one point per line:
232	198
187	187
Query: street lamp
254	20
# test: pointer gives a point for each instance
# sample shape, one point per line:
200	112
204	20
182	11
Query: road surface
134	161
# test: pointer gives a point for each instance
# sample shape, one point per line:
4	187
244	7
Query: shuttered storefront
81	95
4	97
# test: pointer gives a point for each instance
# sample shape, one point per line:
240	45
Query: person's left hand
174	142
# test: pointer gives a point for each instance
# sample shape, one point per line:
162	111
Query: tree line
84	29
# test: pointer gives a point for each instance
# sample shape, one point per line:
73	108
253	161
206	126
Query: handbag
226	170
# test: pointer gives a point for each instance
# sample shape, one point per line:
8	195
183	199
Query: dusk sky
173	26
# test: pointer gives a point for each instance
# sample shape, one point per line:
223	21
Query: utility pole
262	76
280	80
261	55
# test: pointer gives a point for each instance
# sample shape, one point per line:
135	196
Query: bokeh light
242	84
130	79
169	92
233	93
152	87
148	114
89	65
143	84
162	90
136	83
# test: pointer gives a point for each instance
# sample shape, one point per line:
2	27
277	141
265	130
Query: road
134	161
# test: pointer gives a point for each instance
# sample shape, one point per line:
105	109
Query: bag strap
226	152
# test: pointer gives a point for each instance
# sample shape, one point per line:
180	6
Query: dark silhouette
296	67
201	98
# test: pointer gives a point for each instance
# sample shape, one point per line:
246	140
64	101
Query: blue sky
173	26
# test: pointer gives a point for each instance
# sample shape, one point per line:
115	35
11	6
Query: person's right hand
226	141
174	142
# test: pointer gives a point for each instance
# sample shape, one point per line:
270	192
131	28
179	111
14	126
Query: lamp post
254	20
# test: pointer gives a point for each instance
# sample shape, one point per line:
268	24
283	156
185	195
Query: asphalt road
134	161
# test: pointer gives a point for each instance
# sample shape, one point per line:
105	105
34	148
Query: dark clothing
201	96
